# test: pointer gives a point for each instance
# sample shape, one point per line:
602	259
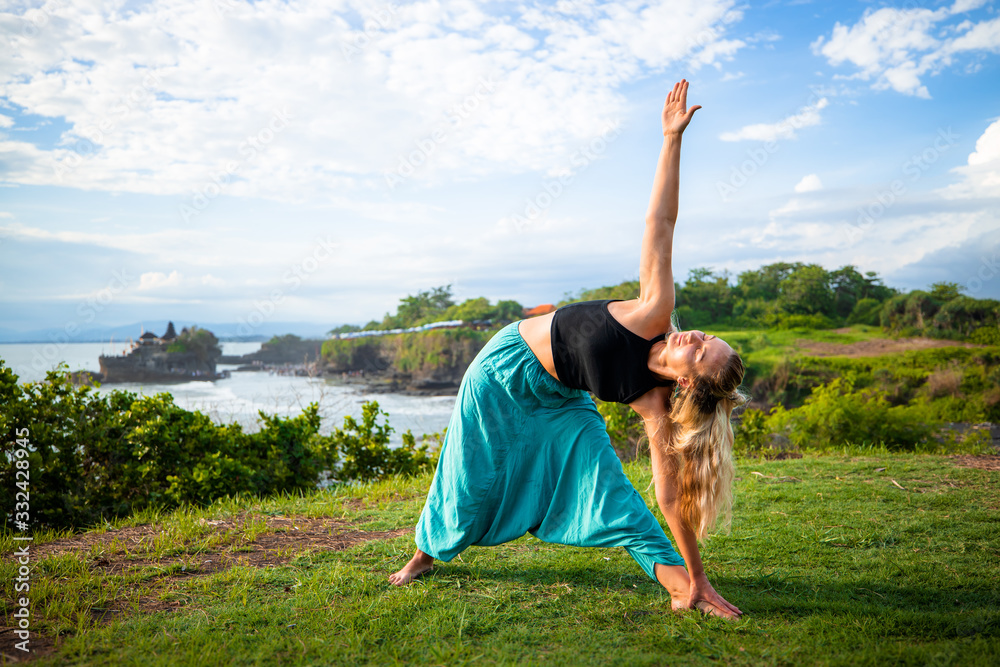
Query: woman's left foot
420	564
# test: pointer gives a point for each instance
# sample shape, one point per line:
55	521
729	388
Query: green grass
832	562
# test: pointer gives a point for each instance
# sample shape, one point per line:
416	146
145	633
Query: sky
318	160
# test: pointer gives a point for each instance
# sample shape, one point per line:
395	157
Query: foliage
278	342
806	296
437	305
779	295
344	328
202	343
365	452
623	291
407	353
94	456
835	414
986	336
439	348
625	428
355	354
752	433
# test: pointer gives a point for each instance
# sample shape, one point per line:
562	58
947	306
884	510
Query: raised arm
656	278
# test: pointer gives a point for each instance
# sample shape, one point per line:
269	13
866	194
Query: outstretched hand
705	599
676	114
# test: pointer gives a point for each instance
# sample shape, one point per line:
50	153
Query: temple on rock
168	358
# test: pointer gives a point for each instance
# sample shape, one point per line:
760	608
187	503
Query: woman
527	451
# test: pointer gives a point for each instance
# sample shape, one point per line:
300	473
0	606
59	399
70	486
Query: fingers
678	93
710	609
721	601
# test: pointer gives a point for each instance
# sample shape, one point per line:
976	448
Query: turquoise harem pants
524	453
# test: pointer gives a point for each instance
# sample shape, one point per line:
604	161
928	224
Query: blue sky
315	161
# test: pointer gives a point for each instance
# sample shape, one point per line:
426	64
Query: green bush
986	336
835	414
752	434
92	456
625	428
365	450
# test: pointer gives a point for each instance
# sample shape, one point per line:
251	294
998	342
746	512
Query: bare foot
418	565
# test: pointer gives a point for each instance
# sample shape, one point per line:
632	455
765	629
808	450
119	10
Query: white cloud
809	183
783	129
161	98
981	173
155	280
962	6
894	48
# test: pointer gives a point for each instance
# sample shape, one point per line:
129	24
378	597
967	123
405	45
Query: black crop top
594	351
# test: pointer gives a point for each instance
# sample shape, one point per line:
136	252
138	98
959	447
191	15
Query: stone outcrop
190	356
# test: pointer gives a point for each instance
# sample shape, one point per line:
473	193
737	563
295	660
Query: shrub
752	434
866	311
986	336
365	451
625	428
835	414
94	456
945	382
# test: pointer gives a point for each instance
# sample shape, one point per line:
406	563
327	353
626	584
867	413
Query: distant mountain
223	330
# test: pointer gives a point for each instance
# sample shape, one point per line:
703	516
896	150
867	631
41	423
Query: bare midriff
537	333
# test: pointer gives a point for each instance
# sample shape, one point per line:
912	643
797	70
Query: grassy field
887	559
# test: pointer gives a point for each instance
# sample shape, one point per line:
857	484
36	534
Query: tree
471	310
200	342
806	290
508	311
423	307
765	282
848	286
945	291
874	289
706	298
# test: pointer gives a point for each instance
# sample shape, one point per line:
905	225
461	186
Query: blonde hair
698	431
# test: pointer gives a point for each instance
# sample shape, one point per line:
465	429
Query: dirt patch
874	348
124	549
246	543
38	646
987	462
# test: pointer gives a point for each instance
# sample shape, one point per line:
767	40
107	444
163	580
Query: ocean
240	397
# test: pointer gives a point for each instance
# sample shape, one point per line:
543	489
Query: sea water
239	397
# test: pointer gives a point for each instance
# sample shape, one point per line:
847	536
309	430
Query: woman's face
689	354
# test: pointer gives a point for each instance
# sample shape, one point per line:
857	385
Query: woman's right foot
418	565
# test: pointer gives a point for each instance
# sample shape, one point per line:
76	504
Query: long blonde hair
698	431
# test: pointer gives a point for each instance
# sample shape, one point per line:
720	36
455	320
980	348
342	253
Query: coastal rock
170	358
